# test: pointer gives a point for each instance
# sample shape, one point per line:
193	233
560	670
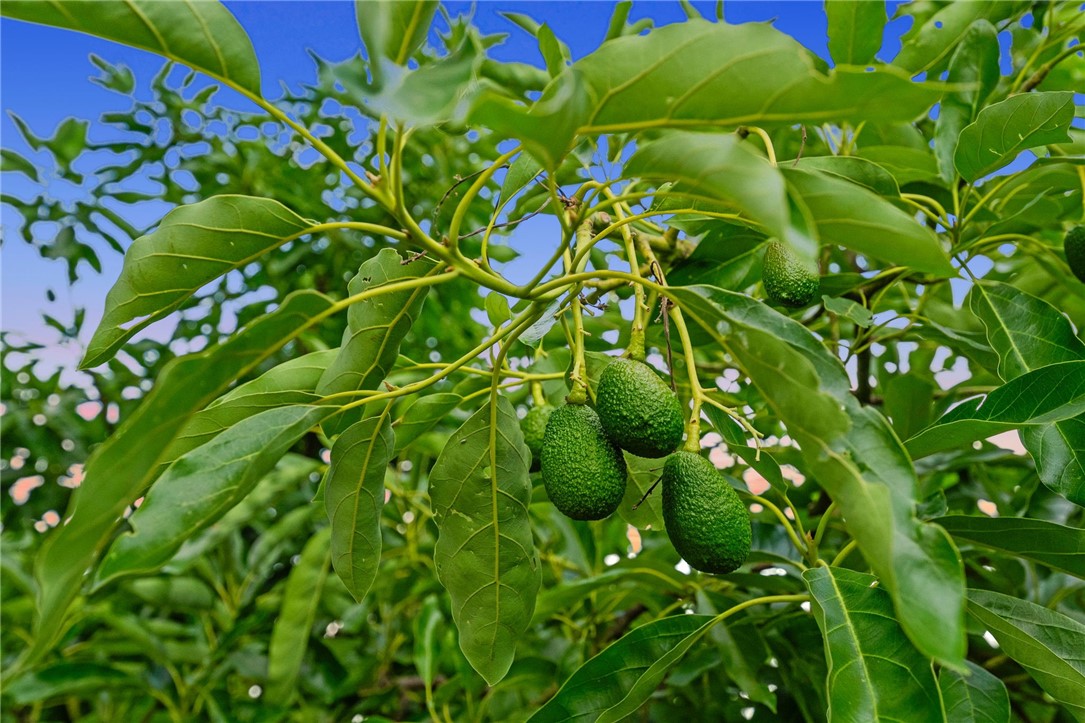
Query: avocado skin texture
583	472
787	279
638	410
1074	246
706	521
533	426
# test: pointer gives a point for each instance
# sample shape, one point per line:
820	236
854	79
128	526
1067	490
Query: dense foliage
314	501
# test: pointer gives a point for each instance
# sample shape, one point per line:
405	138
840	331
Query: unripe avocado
787	279
1074	246
638	410
706	521
533	426
583	472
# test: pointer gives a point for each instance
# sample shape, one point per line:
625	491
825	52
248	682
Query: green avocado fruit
583	472
638	410
706	521
787	279
533	426
1074	246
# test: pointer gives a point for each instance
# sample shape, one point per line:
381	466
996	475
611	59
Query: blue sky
44	74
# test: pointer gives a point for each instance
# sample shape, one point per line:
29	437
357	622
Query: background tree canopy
313	500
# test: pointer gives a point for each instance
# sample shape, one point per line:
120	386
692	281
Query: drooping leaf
424	414
354	498
1057	546
875	673
977	697
203	485
1043	396
851	216
855	30
1004	129
635	82
120	469
1028	334
1046	643
192	246
485	555
393	30
290	636
202	35
292	382
623	676
973	72
854	455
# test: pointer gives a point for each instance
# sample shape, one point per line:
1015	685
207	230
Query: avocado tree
785	422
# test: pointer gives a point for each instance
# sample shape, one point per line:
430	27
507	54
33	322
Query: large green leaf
1028	333
852	452
750	73
430	94
1048	394
192	246
974	73
120	470
852	216
855	30
393	30
292	382
354	497
875	673
977	697
485	555
375	327
618	680
293	626
931	39
1046	643
1057	546
721	168
203	485
1003	130
202	35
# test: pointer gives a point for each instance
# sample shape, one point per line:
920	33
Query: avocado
638	410
583	472
708	524
533	426
787	279
1074	246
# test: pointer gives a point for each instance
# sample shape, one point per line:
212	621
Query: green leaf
874	672
12	161
855	30
203	485
1046	643
202	35
354	498
375	327
292	382
192	246
497	309
929	43
907	165
721	168
1048	394
620	679
977	697
67	679
427	625
485	555
554	52
852	216
854	455
1028	333
974	73
1003	130
393	30
121	468
643	473
67	144
293	626
857	170
735	437
431	94
851	310
423	415
638	82
1057	546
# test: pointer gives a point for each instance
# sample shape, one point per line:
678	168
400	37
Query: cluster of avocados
579	449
